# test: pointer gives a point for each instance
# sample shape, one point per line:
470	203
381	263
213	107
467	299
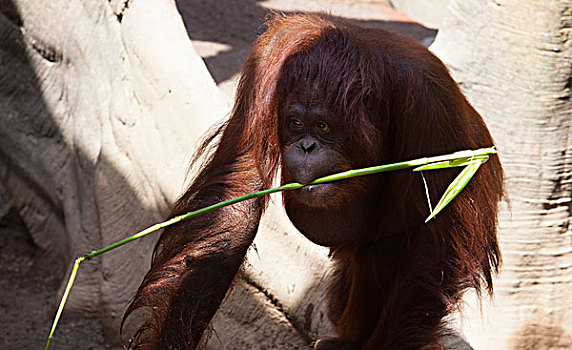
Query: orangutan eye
322	126
296	123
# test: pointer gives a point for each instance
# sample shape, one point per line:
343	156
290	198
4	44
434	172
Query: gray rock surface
101	104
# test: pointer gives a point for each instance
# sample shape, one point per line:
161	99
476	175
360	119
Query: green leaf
453	163
456	187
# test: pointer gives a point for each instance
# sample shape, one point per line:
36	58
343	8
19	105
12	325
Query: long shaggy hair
391	290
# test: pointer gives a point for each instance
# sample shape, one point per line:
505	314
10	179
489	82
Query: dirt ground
28	294
222	33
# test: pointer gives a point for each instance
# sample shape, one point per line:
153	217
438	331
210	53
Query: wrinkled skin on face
315	143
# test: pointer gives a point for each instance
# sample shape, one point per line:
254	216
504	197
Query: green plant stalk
470	159
471	166
75	268
455	187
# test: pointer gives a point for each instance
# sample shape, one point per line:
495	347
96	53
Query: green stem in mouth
470	160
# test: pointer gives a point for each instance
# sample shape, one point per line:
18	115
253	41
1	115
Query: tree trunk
514	62
101	103
428	12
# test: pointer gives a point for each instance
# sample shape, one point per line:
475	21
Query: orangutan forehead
331	69
306	92
312	70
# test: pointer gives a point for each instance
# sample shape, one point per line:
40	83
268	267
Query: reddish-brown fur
391	289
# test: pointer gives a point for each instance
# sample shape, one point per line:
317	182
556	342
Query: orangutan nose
308	145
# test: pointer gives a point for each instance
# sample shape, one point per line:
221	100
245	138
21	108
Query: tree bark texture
514	61
101	105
